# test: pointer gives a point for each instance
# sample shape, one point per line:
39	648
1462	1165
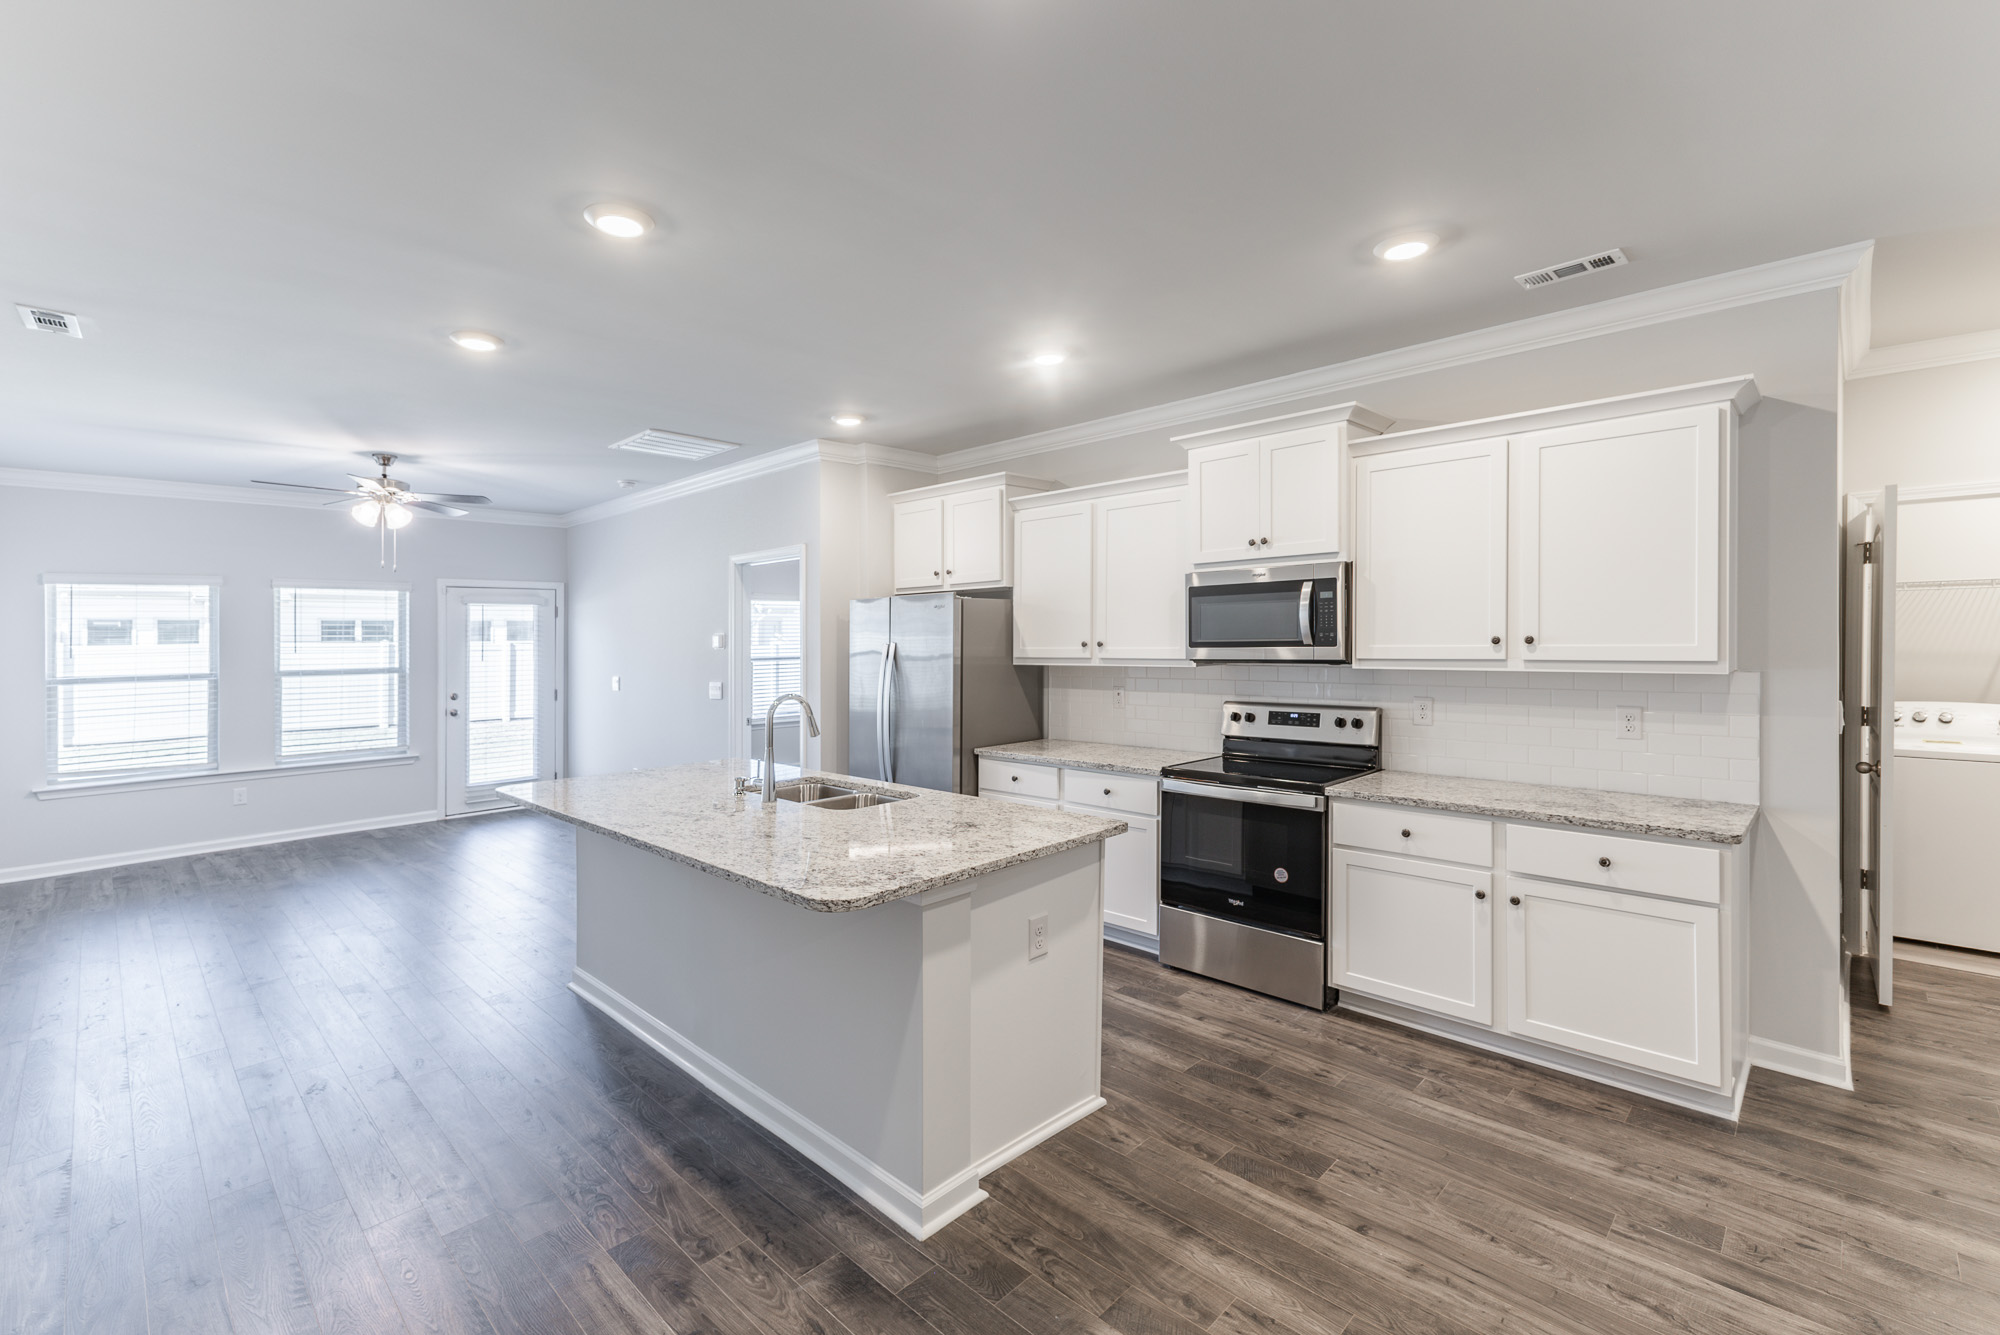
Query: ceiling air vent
1556	273
673	444
55	322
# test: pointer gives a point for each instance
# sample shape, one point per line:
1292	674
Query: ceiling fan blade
349	498
433	508
449	498
301	486
373	484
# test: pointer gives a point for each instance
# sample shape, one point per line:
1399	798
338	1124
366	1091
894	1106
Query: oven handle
1256	797
1305	611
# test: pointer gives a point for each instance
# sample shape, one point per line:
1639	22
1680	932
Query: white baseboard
1828	1068
919	1213
98	862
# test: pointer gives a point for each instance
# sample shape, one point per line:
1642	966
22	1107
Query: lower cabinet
1629	977
1131	859
1415	932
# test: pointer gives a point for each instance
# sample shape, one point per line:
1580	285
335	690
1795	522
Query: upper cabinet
1592	537
955	535
1100	573
1273	489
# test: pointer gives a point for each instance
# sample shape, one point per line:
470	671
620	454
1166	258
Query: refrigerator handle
883	732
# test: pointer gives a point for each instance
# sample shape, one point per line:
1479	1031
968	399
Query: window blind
502	693
776	652
130	677
343	671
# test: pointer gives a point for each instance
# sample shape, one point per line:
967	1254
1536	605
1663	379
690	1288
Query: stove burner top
1258	772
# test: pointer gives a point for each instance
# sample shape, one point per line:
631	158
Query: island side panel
809	1022
1036	1024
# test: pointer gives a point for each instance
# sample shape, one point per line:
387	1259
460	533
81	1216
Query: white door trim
559	737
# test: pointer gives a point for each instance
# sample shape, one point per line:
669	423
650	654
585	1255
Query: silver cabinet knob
1604	862
1919	716
454	713
454	695
1944	716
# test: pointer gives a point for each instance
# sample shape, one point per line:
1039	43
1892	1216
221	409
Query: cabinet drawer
1422	834
1677	871
1116	792
1001	776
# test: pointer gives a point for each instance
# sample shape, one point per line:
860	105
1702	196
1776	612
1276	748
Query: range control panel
1319	721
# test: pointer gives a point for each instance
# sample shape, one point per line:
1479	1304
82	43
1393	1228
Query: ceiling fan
385	504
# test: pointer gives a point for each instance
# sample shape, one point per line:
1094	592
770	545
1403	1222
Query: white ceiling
271	215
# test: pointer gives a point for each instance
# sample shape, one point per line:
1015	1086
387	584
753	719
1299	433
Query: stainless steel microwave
1268	614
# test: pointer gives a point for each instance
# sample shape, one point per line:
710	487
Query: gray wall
249	547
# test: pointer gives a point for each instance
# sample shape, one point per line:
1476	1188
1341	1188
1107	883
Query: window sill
87	787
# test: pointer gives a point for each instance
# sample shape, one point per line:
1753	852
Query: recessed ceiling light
1052	357
848	419
474	340
619	220
1406	246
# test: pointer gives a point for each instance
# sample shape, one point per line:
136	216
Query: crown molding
209	491
1816	272
1739	392
1956	350
886	456
1857	314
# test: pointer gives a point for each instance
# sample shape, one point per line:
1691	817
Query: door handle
1305	611
454	713
1863	767
884	735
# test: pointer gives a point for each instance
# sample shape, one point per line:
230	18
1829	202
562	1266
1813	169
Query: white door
1141	575
1052	581
500	706
1618	539
1430	553
1132	874
1226	484
1628	977
1302	492
1413	932
918	542
1868	749
973	537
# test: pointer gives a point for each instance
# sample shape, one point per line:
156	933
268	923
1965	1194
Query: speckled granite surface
1588	808
1146	760
831	861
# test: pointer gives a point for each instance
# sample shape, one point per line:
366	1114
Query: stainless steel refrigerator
930	677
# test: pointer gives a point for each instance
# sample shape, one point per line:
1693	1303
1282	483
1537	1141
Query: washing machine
1946	800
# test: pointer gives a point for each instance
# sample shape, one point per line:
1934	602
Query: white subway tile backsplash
1701	732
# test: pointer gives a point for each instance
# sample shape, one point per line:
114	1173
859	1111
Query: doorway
500	718
768	632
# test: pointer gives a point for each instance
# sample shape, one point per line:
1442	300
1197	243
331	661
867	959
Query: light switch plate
1118	699
614	683
718	640
715	690
1422	717
240	796
1631	722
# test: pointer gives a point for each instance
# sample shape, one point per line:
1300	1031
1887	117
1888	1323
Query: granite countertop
832	861
1146	760
1588	808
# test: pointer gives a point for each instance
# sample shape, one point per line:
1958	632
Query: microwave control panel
1326	616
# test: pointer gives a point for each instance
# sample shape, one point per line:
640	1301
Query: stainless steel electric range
1244	845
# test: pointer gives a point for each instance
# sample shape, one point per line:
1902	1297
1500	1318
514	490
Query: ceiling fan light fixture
397	516
367	512
477	340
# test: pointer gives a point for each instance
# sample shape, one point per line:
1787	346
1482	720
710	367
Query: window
130	678
774	653
339	690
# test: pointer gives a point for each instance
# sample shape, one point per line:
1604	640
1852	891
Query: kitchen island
907	993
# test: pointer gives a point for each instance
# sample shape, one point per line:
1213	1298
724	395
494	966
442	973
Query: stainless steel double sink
832	797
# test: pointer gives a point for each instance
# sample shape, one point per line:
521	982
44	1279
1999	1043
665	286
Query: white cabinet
955	535
1621	542
1419	933
1100	573
1132	877
1430	553
1628	977
1131	859
1276	493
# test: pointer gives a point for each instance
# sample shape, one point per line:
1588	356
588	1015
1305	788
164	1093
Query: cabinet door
919	544
1132	876
1142	575
1430	553
1052	582
1622	976
1414	932
1618	530
1301	486
1225	483
974	548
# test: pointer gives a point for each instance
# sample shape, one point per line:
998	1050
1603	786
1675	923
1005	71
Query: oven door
1296	613
1245	854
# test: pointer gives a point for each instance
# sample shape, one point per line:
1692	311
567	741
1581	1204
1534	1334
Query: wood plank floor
339	1086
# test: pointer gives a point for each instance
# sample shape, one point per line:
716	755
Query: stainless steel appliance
1268	614
931	676
1244	845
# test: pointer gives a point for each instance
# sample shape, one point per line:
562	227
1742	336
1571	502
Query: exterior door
918	543
1430	566
1052	582
1302	492
973	523
1618	539
1141	575
501	705
1413	932
1868	749
1226	482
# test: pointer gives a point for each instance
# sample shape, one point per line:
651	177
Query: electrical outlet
1118	699
715	690
614	683
239	796
1423	711
1038	936
1631	722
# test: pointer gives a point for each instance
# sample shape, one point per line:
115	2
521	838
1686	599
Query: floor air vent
673	444
55	322
1556	273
